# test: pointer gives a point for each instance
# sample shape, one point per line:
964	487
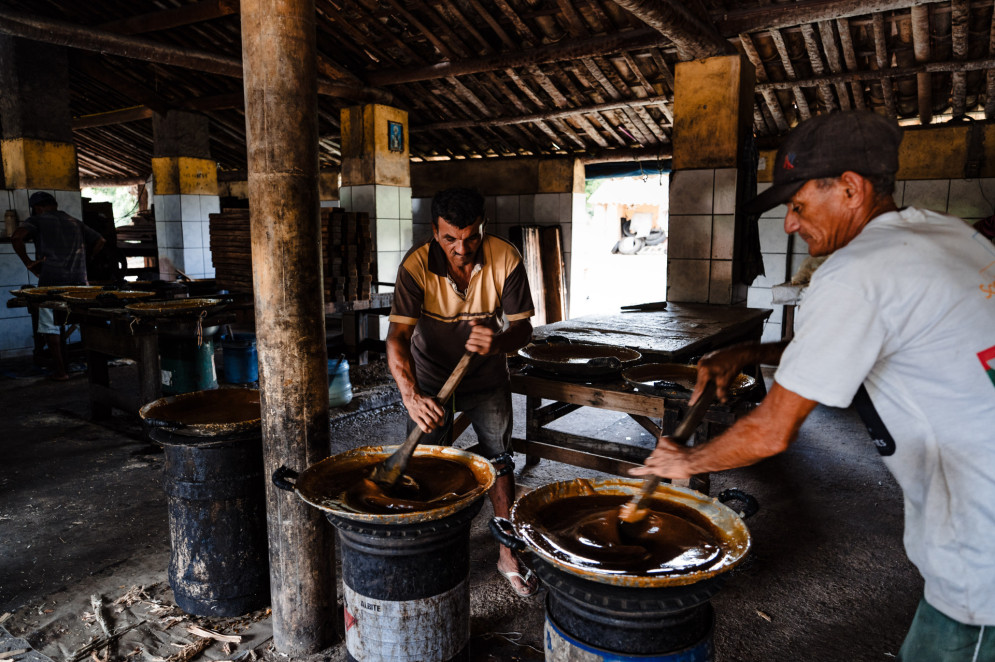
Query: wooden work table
676	335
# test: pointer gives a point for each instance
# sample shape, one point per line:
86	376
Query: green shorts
935	637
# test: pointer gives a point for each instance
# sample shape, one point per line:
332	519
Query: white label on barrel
167	378
432	629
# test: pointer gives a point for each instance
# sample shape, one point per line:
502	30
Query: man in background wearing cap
900	321
61	245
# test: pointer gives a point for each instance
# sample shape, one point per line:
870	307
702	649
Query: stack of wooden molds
347	255
231	250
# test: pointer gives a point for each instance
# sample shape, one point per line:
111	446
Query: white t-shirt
907	309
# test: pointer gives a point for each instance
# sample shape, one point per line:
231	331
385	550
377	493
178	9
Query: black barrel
217	522
406	588
585	617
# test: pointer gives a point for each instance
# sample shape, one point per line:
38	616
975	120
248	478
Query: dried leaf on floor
763	616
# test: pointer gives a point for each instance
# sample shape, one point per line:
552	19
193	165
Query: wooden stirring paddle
635	509
390	470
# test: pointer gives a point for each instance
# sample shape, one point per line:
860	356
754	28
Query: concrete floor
82	512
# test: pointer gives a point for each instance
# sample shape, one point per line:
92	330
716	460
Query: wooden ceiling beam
173	18
902	72
881	59
850	57
773	105
782	50
959	17
694	38
112	117
576	48
921	48
789	15
62	33
828	38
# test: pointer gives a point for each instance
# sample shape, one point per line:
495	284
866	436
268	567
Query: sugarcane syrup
585	531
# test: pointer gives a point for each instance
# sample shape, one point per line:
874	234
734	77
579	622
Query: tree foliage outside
123	199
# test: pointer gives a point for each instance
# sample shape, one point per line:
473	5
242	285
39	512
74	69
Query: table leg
97	376
149	369
532	403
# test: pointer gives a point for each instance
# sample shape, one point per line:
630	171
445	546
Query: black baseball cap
827	146
41	198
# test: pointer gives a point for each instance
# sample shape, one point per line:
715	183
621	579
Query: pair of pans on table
560	357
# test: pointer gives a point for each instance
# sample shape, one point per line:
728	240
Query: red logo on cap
788	162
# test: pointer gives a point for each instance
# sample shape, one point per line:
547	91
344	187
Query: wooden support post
278	53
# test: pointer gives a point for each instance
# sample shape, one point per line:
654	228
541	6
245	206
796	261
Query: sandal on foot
529	581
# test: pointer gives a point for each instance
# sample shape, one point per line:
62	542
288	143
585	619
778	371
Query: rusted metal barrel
219	565
406	589
405	574
588	621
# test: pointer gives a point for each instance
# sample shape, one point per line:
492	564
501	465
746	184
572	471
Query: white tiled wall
782	255
182	223
70	202
15	323
391	210
700	248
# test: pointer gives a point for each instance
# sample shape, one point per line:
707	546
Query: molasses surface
585	531
428	483
230	405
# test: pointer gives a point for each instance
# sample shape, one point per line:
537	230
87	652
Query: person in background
463	291
899	321
61	245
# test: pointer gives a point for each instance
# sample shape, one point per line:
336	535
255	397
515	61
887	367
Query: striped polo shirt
425	297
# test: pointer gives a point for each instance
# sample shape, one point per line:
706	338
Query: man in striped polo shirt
461	291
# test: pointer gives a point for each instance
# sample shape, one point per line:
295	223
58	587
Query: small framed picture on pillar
395	136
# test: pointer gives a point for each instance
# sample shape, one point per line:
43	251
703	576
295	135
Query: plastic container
241	361
339	386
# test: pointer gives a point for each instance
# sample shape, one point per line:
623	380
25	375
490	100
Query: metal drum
219	561
405	576
595	616
214	482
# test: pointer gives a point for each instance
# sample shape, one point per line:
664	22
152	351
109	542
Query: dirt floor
83	521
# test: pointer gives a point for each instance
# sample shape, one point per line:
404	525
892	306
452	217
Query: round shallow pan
725	525
579	359
105	298
48	292
675	379
173	308
310	484
213	413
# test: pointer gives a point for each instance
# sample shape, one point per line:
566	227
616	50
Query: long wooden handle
635	509
387	473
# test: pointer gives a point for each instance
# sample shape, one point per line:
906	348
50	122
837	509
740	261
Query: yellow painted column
713	112
184	194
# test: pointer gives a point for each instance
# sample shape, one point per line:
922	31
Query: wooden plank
788	15
589	395
611	465
553	274
773	105
828	38
881	59
800	101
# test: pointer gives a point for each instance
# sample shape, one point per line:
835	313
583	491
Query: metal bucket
593	615
405	576
219	564
187	364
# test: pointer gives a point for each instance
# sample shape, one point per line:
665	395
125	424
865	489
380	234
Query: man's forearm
401	365
514	337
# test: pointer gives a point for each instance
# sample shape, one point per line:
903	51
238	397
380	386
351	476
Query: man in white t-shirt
900	322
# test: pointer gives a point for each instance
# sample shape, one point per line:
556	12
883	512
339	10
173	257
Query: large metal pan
213	413
579	359
711	514
52	292
174	308
105	298
675	379
310	484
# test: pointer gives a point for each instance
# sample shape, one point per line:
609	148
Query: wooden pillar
278	52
